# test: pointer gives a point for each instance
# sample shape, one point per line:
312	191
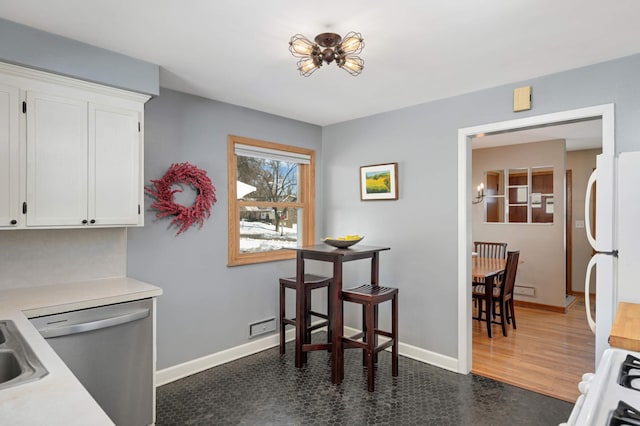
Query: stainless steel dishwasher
110	350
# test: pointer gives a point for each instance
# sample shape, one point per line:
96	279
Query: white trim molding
176	372
179	371
605	112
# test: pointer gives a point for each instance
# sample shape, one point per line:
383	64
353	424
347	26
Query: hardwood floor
548	353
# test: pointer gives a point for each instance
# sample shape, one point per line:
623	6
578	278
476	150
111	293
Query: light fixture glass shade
307	66
353	65
352	43
300	46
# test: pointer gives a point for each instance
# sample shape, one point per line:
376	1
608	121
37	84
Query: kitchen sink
18	363
9	366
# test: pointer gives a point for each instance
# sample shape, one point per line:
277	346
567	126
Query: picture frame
379	182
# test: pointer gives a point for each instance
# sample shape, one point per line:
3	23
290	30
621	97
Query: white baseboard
176	372
170	374
419	354
428	357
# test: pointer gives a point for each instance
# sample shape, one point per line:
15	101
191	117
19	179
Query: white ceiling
416	50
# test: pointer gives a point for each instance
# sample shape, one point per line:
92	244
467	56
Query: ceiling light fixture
328	47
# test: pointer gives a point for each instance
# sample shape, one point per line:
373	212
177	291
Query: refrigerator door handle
613	253
587	298
587	205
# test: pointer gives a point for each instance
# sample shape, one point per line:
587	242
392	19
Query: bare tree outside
274	182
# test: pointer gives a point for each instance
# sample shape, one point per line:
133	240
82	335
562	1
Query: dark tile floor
266	389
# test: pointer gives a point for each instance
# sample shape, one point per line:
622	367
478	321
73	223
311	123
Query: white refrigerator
616	240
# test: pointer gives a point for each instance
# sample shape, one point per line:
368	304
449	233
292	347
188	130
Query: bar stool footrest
308	347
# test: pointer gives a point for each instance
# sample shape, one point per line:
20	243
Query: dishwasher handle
94	325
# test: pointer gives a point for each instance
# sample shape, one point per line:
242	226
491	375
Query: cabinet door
56	160
10	214
114	165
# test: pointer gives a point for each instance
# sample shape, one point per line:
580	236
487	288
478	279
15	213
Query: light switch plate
522	99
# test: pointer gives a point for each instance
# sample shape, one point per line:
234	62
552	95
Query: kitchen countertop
625	332
58	398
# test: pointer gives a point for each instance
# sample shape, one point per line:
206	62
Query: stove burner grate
629	372
625	415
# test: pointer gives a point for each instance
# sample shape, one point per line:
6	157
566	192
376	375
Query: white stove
611	396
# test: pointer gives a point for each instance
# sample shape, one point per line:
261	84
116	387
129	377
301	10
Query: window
271	200
528	197
494	199
518	196
542	195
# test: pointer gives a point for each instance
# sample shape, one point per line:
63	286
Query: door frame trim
568	233
605	112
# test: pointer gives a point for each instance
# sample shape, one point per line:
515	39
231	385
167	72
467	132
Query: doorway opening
551	317
465	136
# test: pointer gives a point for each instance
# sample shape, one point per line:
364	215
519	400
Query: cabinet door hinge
24	208
24	107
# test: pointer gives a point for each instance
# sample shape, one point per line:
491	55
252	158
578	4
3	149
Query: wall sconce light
480	195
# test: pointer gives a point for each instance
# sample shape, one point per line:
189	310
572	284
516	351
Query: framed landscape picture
379	182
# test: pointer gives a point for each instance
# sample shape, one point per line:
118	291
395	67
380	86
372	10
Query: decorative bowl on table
343	242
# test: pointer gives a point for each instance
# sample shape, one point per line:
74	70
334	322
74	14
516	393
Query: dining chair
311	282
490	250
502	295
370	297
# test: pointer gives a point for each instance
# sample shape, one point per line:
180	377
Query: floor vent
524	291
262	327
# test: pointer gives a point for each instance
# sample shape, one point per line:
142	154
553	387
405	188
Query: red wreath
163	191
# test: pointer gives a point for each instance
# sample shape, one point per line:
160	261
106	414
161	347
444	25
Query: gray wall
206	306
26	46
421	227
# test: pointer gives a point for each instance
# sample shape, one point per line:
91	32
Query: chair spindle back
490	250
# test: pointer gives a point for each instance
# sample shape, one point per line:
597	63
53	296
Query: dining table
337	257
488	270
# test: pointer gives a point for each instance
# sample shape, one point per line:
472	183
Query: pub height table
337	256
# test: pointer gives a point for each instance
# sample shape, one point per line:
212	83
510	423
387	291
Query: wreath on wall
163	191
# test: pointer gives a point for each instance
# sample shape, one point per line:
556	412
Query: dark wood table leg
337	361
301	317
307	319
364	334
375	270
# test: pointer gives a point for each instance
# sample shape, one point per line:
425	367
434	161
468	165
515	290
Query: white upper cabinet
114	165
56	160
73	152
10	214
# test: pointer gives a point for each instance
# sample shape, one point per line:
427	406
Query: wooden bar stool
370	297
311	282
